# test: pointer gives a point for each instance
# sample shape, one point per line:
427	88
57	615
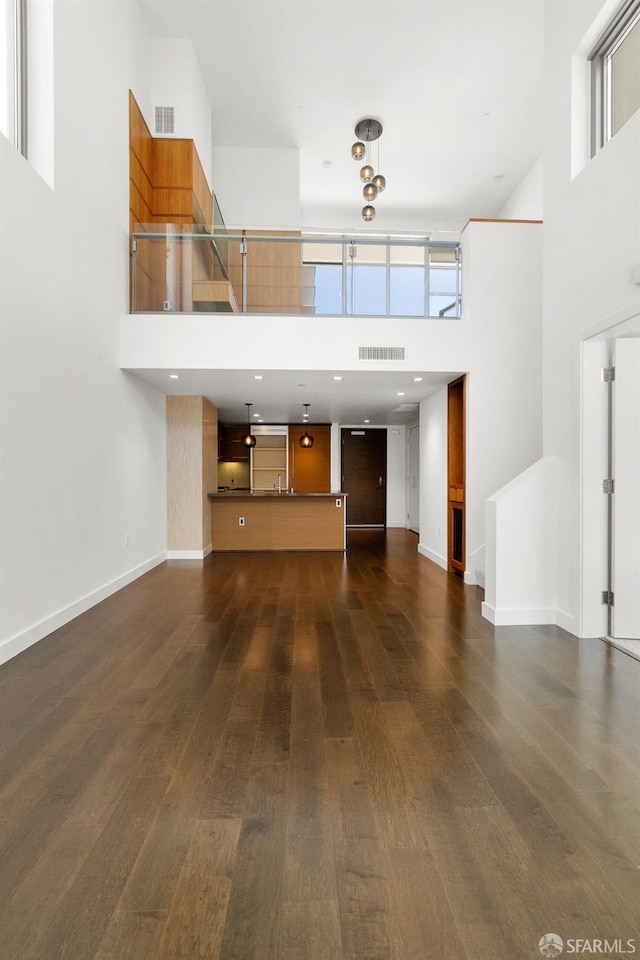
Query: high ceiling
457	86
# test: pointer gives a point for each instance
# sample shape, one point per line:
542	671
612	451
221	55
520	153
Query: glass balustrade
195	269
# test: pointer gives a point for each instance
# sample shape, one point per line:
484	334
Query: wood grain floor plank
197	917
88	906
255	905
310	930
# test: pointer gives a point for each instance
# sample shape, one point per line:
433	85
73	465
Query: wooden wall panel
277	523
202	196
192	471
209	464
310	469
172	162
184	473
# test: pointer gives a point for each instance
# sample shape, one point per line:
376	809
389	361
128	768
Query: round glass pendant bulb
379	182
366	173
357	150
368	213
369	191
306	440
248	440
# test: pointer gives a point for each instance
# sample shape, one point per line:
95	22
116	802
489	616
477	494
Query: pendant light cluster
368	131
248	439
306	440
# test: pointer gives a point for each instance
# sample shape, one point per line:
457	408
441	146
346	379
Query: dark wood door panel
364	476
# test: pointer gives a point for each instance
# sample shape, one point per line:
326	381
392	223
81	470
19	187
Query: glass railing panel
189	268
326	292
407	291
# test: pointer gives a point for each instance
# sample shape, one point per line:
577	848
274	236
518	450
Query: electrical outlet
241	521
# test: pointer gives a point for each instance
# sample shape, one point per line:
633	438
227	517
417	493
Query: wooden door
364	476
310	468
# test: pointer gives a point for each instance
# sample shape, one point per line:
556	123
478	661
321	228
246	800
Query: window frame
624	21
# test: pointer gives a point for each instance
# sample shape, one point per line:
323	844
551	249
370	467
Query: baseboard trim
22	641
567	621
518	616
430	555
189	554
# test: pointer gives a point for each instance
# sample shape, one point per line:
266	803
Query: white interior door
413	478
625	613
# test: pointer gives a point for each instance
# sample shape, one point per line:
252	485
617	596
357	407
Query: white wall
257	188
521	547
503	303
396	476
525	203
176	81
433	478
82	443
592	241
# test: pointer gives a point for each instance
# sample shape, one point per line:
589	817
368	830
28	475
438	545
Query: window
382	278
13	78
615	64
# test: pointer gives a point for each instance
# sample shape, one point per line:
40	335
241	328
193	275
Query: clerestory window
615	65
14	73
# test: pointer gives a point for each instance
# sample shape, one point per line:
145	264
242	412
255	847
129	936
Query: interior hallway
303	756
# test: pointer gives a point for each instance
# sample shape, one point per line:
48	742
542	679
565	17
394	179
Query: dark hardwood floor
312	757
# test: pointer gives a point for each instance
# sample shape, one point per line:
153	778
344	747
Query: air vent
164	120
380	353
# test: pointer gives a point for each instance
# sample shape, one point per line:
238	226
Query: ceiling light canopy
368	131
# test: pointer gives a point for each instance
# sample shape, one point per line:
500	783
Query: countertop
238	494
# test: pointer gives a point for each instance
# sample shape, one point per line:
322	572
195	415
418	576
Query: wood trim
456	470
495	220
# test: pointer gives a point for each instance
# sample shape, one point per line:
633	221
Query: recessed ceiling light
418	379
367	421
173	376
337	378
256	414
257	376
400	393
327	164
260	420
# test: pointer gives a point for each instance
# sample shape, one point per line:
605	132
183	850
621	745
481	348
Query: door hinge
608	374
608	486
134	245
607	598
243	248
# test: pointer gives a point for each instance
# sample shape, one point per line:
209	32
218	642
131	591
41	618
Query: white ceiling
457	86
279	396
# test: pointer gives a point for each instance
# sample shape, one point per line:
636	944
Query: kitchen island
265	520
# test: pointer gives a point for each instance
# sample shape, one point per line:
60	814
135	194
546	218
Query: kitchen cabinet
232	448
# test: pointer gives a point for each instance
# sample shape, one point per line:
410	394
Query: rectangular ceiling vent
164	120
381	353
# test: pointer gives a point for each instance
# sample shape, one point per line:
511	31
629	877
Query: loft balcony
199	269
